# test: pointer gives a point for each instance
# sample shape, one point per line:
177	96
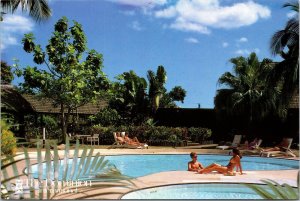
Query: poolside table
83	138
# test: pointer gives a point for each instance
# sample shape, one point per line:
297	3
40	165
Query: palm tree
38	9
286	44
156	86
246	92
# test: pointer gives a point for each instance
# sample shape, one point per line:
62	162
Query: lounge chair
287	150
119	144
236	141
255	150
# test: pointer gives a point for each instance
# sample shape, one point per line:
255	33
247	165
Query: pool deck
175	177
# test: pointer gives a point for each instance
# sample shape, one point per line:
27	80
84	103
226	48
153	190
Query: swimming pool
195	191
141	165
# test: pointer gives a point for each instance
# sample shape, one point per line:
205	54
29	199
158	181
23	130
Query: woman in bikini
235	161
194	165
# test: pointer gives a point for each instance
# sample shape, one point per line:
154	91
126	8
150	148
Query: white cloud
243	40
140	3
225	44
191	40
209	13
136	26
246	51
291	14
181	24
13	26
242	51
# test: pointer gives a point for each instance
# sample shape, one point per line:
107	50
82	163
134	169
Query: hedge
154	135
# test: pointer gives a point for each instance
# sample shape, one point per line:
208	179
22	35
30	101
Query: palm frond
274	190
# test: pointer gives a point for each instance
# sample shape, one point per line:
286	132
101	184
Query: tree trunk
62	122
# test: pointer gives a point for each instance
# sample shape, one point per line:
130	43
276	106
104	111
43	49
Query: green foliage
129	97
106	117
68	81
245	92
285	43
156	86
6	74
274	190
8	140
38	9
156	135
199	134
177	94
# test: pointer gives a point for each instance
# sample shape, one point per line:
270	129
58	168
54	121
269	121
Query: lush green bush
8	140
106	117
199	134
155	135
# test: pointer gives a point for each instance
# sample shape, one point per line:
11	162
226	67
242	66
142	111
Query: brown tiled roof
11	99
46	105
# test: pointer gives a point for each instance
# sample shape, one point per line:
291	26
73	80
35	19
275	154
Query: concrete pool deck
174	177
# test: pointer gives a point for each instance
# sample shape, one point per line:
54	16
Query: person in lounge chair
235	161
282	146
194	165
133	141
120	139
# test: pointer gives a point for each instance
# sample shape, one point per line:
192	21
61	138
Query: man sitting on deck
194	165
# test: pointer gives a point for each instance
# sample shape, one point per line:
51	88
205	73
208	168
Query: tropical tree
156	86
246	93
68	81
38	9
178	94
286	44
129	97
6	74
168	98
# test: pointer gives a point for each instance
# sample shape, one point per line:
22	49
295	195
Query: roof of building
32	103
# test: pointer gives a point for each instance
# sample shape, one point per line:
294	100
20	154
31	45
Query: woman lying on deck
235	161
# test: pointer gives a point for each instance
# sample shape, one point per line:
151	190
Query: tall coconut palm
245	92
156	86
286	44
38	9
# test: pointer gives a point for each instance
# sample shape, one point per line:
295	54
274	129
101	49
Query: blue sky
192	39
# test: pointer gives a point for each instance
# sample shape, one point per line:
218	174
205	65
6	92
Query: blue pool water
141	165
195	191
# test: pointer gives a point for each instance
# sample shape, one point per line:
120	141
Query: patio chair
93	139
236	141
119	144
284	150
256	149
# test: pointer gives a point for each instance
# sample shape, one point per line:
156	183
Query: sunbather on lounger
194	165
235	161
133	141
120	139
282	146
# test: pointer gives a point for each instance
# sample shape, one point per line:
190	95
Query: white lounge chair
286	152
256	149
236	141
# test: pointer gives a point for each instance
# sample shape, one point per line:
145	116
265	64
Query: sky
193	39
